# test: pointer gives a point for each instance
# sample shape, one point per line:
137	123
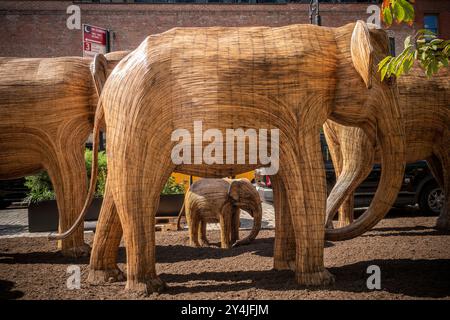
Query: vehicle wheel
431	199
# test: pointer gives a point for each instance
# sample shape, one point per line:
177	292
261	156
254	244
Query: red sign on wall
95	40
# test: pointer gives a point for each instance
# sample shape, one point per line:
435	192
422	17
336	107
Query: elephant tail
180	214
99	115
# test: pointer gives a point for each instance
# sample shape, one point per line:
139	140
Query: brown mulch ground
413	257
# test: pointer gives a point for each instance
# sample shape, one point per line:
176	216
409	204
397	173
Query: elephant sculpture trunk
256	212
384	123
391	138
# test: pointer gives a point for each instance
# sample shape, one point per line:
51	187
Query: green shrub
101	176
41	189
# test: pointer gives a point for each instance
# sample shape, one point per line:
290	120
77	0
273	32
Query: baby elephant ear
233	190
362	52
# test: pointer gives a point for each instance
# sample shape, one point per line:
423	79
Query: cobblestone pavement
14	222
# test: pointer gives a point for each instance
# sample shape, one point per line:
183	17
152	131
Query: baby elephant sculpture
212	200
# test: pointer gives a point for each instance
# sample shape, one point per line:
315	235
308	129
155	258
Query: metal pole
314	16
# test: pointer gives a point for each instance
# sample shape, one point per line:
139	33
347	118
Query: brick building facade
38	28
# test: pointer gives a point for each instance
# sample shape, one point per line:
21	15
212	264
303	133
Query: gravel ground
413	257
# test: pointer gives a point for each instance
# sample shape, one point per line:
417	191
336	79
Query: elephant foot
321	278
146	287
77	252
443	224
106	275
284	265
195	245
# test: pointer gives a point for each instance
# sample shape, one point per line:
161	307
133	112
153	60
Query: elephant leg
189	223
194	225
440	167
202	233
346	211
235	224
103	265
136	191
284	248
334	149
303	175
436	169
225	229
67	172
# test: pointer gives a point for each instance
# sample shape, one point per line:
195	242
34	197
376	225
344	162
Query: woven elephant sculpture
291	79
220	200
47	108
425	105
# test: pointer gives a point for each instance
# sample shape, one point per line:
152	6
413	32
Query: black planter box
43	216
170	205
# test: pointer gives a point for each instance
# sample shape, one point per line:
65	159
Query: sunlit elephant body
220	200
47	108
425	105
292	79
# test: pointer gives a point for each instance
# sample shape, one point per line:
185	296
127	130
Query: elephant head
243	195
373	107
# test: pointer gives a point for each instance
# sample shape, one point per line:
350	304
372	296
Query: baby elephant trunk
256	212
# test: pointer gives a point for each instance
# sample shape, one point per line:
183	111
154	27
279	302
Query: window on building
430	22
392	46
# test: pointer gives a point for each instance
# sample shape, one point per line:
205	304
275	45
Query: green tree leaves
431	52
398	10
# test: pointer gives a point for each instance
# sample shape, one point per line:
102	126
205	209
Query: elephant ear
362	52
233	190
99	69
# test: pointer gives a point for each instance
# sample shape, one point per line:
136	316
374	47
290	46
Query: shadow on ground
164	254
7	292
415	278
40	258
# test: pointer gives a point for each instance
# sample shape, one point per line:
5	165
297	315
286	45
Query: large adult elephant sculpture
291	78
425	105
47	108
